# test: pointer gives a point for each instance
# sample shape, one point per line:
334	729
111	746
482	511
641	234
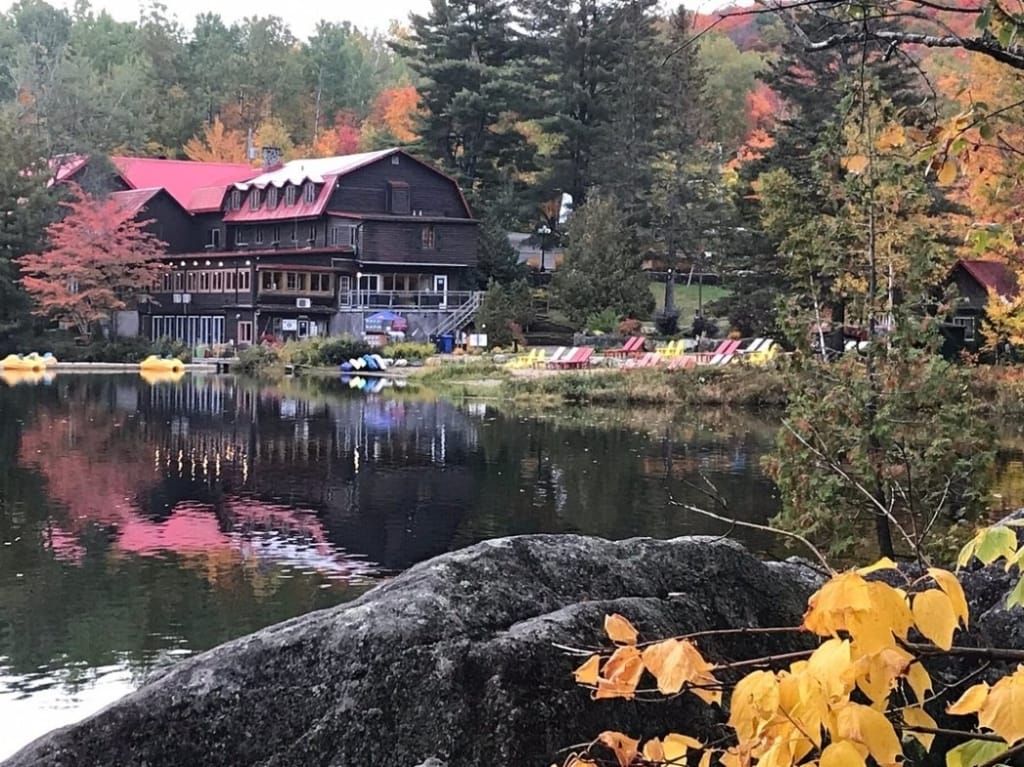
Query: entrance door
368	285
441	288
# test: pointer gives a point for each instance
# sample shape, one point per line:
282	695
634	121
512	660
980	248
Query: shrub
630	327
408	350
667	323
338	349
306	352
256	359
605	321
166	347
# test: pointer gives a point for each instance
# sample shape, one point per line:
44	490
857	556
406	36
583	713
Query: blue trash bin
447	343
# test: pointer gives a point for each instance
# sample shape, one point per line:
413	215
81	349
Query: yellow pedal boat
155	364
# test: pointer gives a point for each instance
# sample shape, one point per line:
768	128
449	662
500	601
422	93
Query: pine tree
473	88
601	269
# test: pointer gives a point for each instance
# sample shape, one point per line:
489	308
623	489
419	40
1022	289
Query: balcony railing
404	299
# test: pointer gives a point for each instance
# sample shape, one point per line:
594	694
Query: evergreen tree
26	207
497	260
601	268
472	88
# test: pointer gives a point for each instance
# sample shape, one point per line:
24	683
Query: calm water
141	523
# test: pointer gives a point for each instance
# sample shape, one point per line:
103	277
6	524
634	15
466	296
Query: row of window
207	281
342	235
272	196
192	330
297	282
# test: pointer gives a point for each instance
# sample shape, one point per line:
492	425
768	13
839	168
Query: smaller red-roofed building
976	281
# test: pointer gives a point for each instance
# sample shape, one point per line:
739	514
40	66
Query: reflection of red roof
134	201
301	208
992	275
183	179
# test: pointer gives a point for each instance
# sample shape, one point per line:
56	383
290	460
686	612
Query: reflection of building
386	480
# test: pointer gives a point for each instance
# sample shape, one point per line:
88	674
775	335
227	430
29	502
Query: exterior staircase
460	316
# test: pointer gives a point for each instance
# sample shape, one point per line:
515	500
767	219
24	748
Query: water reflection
142	521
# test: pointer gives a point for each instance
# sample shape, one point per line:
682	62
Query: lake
141	522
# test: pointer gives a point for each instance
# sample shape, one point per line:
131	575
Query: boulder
455	662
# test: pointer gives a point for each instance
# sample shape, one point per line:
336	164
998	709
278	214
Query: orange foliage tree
396	111
216	144
341	138
100	258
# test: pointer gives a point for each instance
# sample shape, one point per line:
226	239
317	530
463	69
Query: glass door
441	288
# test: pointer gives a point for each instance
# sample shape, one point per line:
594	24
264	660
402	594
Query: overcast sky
301	16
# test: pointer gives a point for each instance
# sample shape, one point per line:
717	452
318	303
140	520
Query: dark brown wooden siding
970	289
366	190
393	241
170	223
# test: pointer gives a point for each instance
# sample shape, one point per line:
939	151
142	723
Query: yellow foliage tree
272	132
1004	318
858	696
216	144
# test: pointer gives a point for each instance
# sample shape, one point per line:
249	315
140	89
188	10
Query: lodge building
299	249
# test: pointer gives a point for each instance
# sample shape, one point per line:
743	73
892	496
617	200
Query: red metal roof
183	179
66	166
992	275
135	200
283	212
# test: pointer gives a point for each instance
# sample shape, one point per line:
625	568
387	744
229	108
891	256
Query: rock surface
453	662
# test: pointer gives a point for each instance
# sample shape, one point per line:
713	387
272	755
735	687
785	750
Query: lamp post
543	231
700	283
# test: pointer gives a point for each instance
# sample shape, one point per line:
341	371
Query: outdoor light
207	262
182	263
220	263
195	263
248	263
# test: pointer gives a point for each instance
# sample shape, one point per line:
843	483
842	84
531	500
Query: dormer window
235	200
272	198
309	193
254	199
289	195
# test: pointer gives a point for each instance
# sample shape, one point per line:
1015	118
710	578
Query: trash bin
447	343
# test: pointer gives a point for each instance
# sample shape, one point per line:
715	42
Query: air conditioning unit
303	303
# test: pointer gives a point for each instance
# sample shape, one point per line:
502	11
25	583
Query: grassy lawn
686	297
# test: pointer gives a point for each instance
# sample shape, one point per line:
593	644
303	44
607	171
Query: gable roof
991	275
135	200
183	179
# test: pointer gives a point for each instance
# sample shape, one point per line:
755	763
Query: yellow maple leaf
951	585
892	136
862	724
828	665
842	753
1003	709
755	700
920	681
915	716
882	564
623	746
935	617
971	701
947	173
620	674
675	662
619	630
587	673
676	746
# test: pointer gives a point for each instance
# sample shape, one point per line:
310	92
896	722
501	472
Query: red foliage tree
100	258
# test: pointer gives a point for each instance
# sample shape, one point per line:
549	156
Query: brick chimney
271	157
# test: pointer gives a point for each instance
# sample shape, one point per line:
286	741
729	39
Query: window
295	231
427	238
245	332
213	238
242	281
309	192
167	282
275	238
191	282
320	282
399	198
270	281
217	285
394	159
235	201
204	282
179	281
272	197
240	236
967	323
293	281
312	234
343	236
289	195
259	235
254	199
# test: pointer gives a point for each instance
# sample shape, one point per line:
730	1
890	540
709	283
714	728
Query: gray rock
455	659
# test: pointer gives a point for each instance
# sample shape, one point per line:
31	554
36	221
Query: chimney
271	157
